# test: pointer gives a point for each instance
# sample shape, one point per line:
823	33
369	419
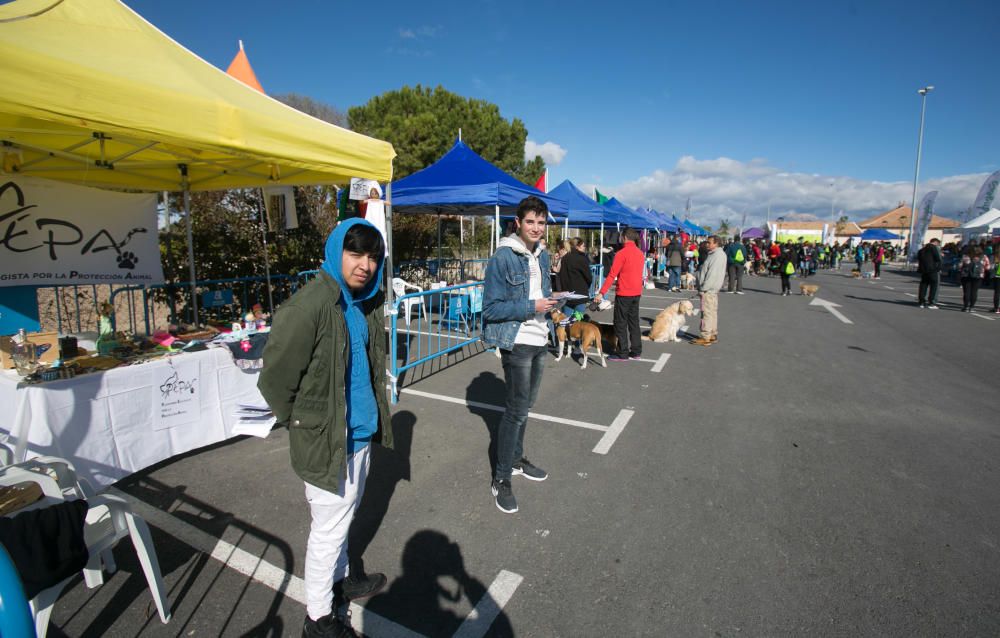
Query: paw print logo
127	260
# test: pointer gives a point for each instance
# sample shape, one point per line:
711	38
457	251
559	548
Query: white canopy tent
981	225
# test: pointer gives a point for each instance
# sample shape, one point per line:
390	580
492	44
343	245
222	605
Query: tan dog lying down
809	290
587	334
669	321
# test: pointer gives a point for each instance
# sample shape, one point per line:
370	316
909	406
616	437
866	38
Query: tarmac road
804	476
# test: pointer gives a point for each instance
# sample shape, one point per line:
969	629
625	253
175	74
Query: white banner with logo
52	234
924	212
987	196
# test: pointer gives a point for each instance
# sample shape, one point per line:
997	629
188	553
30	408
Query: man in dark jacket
324	376
574	273
675	259
929	267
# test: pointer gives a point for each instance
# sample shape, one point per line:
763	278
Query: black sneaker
360	586
505	496
329	626
525	468
617	357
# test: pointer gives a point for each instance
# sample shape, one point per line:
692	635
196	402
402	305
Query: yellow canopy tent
96	95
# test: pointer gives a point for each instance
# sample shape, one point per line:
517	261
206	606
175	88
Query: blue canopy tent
878	234
693	228
463	183
625	215
666	224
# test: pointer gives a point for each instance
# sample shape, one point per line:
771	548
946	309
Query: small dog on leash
687	281
669	321
808	290
856	273
587	334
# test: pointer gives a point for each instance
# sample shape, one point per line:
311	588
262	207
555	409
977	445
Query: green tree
842	223
422	124
723	227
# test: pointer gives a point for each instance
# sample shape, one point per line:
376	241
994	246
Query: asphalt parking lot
806	475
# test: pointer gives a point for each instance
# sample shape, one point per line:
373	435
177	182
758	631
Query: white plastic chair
109	519
399	288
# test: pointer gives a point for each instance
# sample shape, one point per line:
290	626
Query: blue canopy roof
625	215
878	234
462	182
583	211
693	228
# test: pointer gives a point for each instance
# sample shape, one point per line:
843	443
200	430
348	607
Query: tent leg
267	257
461	246
496	224
388	245
190	244
439	246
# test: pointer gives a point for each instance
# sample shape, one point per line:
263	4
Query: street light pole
916	174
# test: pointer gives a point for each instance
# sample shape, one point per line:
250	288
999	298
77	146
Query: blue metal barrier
596	278
457	323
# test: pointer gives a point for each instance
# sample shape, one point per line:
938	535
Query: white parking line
662	361
909	294
611	432
500	408
617	426
479	620
259	570
890	288
976	314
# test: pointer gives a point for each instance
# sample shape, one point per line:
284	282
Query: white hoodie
534	331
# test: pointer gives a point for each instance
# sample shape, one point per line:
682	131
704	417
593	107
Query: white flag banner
52	234
987	196
925	209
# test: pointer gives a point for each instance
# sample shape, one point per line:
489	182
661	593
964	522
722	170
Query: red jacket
627	268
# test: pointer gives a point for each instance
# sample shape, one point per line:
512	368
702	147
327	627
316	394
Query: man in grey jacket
710	277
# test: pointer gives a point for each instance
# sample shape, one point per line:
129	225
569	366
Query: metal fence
435	323
141	309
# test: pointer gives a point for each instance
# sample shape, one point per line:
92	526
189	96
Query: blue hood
334	253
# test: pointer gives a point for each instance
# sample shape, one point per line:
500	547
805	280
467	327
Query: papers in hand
254	420
564	297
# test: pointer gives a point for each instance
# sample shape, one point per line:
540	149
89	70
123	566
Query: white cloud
724	188
550	152
407	34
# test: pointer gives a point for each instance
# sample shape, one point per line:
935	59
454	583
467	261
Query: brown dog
808	290
669	321
587	334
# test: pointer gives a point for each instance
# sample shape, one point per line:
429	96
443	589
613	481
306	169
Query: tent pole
388	244
566	228
600	254
186	186
461	245
261	210
496	227
439	244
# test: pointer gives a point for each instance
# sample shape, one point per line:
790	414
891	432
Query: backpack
789	268
738	257
974	268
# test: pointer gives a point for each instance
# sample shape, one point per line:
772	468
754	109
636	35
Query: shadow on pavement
388	468
432	566
488	388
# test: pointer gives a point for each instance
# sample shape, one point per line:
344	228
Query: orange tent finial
240	69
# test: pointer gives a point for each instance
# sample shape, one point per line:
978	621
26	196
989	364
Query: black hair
532	204
631	234
364	239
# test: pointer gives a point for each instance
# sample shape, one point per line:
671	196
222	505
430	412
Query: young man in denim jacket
515	300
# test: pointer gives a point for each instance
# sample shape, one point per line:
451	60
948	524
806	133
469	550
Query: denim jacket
505	294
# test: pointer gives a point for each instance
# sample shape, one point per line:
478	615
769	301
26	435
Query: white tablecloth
104	422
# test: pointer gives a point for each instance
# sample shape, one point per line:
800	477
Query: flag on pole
925	210
599	197
542	183
987	195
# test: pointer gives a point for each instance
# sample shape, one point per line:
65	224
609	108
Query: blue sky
734	104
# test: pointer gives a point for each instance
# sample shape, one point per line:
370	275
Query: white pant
326	550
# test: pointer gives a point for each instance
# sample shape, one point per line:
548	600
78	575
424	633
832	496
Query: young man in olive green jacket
324	376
